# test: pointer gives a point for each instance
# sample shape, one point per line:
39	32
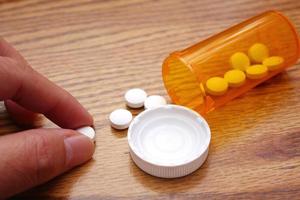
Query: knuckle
7	64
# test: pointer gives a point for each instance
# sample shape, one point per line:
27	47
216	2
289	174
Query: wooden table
98	49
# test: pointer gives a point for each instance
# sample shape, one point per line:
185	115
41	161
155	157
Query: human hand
32	157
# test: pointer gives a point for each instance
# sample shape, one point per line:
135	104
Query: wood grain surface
98	49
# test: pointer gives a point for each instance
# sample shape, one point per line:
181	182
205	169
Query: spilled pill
120	119
135	98
154	101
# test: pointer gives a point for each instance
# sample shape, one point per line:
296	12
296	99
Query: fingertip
79	149
70	114
90	119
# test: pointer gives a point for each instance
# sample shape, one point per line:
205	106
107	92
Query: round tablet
258	52
239	61
120	119
154	101
256	71
273	62
216	86
235	78
169	141
87	131
135	97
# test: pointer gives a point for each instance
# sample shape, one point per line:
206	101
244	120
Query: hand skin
32	157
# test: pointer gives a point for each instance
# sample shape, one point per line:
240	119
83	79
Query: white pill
87	131
154	101
135	97
120	119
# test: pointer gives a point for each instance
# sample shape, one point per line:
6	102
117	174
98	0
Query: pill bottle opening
182	85
293	28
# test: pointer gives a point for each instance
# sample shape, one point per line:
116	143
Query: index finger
9	51
34	92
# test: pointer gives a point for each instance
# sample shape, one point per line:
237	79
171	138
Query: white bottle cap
154	101
87	131
120	119
135	98
169	141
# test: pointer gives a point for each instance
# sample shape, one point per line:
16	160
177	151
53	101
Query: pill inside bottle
239	61
256	71
258	52
216	86
235	78
273	63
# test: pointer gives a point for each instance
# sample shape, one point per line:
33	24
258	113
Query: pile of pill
253	65
135	98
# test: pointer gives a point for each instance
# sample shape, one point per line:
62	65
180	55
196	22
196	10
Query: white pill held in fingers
154	101
135	98
120	119
87	131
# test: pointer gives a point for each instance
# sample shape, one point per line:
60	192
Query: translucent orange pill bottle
186	72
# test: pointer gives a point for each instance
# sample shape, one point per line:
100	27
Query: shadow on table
164	185
118	133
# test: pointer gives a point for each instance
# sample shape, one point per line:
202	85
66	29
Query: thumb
32	157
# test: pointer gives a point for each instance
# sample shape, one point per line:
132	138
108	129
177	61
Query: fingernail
79	149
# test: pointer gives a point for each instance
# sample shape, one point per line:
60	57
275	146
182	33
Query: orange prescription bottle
186	72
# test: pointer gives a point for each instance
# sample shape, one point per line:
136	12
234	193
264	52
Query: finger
21	115
9	51
36	156
34	92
